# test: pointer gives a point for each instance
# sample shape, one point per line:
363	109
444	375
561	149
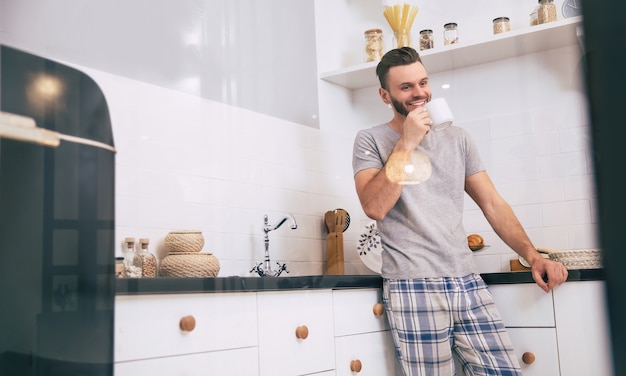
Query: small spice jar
450	33
501	25
426	40
374	45
546	12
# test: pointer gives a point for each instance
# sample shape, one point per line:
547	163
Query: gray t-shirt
423	234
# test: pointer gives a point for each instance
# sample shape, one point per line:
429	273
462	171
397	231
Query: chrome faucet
264	268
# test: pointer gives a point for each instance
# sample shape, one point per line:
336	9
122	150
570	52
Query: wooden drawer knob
378	309
355	366
302	332
187	323
528	358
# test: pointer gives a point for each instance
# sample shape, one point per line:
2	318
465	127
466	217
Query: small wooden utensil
334	242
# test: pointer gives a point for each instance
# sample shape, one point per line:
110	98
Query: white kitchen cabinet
148	329
362	333
235	362
281	315
582	329
541	345
354	311
524	305
374	351
566	330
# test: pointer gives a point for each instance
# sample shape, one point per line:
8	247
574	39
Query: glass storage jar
132	261
374	45
402	38
426	40
148	261
501	25
450	33
533	20
546	12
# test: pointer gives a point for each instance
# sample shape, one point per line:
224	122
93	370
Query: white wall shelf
515	43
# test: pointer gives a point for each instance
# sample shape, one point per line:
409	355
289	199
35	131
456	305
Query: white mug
439	113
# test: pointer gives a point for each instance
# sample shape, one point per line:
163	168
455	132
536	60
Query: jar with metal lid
546	12
450	33
426	40
501	25
374	45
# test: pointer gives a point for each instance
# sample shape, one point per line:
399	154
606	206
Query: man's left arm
504	222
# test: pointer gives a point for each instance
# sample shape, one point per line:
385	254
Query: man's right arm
377	192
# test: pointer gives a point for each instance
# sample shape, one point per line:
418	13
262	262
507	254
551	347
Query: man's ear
384	95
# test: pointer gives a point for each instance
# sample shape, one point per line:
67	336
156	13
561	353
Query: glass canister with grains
546	11
374	45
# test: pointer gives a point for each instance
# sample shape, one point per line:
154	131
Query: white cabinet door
237	362
523	305
583	332
147	326
354	311
374	350
280	314
541	342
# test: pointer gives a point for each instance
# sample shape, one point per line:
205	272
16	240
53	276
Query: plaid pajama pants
432	317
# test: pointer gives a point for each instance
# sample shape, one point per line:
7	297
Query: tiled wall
187	163
184	162
529	118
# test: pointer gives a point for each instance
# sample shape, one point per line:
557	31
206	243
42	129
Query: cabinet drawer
541	342
224	363
375	351
354	311
280	351
148	326
524	305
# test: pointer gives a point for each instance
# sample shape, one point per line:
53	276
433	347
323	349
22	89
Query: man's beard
400	107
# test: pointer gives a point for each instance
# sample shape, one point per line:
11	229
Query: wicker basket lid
182	241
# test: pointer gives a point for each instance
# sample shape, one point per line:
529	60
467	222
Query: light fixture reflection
43	89
414	171
48	87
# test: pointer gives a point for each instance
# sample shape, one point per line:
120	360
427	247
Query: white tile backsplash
184	162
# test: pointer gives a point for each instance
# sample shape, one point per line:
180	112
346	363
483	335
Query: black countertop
134	286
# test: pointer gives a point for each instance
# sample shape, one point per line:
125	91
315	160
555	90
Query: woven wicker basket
576	258
192	264
184	241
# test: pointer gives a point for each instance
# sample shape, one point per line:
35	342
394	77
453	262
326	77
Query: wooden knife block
334	254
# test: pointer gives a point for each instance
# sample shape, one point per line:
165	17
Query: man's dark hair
394	58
